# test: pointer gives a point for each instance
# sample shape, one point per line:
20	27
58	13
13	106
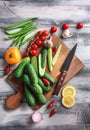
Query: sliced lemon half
69	90
68	101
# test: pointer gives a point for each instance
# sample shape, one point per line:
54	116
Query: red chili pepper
46	82
7	69
53	111
51	104
54	50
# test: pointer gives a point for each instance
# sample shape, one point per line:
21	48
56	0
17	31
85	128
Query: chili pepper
46	82
54	50
50	105
7	69
53	111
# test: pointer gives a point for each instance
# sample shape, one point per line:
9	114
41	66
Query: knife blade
64	70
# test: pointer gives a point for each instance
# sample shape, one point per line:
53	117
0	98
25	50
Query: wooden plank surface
53	12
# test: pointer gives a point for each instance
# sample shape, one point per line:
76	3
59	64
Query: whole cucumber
20	68
41	98
35	88
32	74
45	89
29	97
50	78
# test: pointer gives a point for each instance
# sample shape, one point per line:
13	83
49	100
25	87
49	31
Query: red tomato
42	38
39	32
45	33
80	25
53	29
36	37
33	52
34	46
32	42
65	26
25	54
39	42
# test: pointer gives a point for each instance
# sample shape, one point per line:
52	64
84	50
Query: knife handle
60	82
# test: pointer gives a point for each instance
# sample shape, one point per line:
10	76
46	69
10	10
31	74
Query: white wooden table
50	12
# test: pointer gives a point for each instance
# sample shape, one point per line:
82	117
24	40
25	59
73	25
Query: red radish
34	46
54	50
65	26
80	25
33	52
7	69
39	42
37	117
43	38
46	82
53	29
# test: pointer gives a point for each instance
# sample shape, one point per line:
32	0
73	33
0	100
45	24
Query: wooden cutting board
74	68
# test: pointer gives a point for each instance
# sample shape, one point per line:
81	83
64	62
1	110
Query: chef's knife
64	70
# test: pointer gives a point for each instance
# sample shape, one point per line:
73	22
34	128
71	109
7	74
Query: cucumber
34	64
44	58
41	98
20	68
35	88
45	89
56	55
29	97
42	62
50	66
50	78
32	74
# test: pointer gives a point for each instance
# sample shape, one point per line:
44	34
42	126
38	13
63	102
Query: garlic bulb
48	43
66	33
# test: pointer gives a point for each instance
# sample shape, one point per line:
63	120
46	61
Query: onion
37	116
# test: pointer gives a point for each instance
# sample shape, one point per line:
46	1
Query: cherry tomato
34	46
36	37
25	54
43	38
80	25
31	42
65	26
53	29
39	32
39	42
33	52
45	33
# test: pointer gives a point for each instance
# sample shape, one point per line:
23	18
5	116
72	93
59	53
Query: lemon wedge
68	101
69	90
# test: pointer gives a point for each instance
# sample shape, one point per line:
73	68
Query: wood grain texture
53	12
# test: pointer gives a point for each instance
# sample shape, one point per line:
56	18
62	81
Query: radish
37	117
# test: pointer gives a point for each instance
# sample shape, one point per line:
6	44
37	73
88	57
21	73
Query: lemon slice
69	90
68	101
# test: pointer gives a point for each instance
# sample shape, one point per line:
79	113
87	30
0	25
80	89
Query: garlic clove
66	33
